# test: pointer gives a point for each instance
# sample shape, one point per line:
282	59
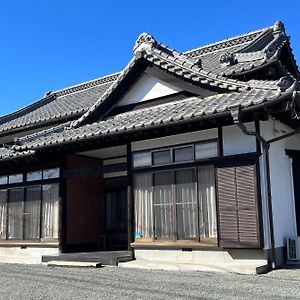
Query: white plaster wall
236	142
148	87
281	181
175	139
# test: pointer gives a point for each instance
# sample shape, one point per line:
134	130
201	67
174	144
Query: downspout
266	146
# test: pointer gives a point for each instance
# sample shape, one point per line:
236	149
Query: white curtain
3	211
50	210
163	205
32	210
15	214
207	202
186	204
143	205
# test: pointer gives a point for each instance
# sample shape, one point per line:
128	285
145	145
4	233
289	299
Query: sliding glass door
183	201
186	204
163	205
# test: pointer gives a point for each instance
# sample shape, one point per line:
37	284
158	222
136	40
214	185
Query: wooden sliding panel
227	207
238	207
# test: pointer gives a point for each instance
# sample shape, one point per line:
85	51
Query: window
141	159
163	205
206	150
175	155
161	157
29	211
3	179
15	213
36	175
182	205
143	205
32	209
51	173
16	178
207	202
50	211
184	154
3	212
186	204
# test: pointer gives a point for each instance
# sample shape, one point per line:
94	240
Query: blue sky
47	45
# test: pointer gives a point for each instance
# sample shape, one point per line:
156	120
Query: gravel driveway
41	282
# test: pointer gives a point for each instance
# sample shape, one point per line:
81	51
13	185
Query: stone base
28	255
246	261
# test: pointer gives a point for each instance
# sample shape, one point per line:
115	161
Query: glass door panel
163	205
207	202
186	204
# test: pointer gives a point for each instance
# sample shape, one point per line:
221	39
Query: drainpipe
266	146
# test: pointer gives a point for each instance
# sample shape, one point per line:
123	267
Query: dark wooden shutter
238	207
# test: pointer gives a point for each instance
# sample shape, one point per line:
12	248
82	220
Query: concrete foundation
249	261
22	255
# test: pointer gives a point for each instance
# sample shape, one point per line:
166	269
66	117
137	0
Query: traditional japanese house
182	156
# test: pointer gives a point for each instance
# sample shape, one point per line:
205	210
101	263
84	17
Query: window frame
172	148
175	236
24	184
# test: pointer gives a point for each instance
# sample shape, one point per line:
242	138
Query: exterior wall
281	182
175	139
236	142
147	88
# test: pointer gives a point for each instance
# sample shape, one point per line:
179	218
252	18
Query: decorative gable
147	88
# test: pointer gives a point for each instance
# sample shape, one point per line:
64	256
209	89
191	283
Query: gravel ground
41	282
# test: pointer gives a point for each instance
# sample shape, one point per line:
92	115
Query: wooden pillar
130	205
62	233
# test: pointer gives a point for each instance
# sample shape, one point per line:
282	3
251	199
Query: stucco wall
281	181
236	142
176	139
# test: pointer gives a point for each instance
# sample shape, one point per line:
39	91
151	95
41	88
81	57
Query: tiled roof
177	64
193	108
244	53
238	41
63	104
8	153
213	67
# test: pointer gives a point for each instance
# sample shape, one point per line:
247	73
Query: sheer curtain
3	211
50	211
207	202
163	205
186	204
15	214
32	211
143	205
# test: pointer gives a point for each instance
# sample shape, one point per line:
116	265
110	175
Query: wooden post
62	234
130	206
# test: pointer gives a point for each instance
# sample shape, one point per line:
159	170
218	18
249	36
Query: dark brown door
116	218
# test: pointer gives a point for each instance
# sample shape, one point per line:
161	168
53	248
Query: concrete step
21	259
73	264
249	269
111	258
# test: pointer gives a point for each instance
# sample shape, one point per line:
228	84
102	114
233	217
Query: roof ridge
87	84
205	48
